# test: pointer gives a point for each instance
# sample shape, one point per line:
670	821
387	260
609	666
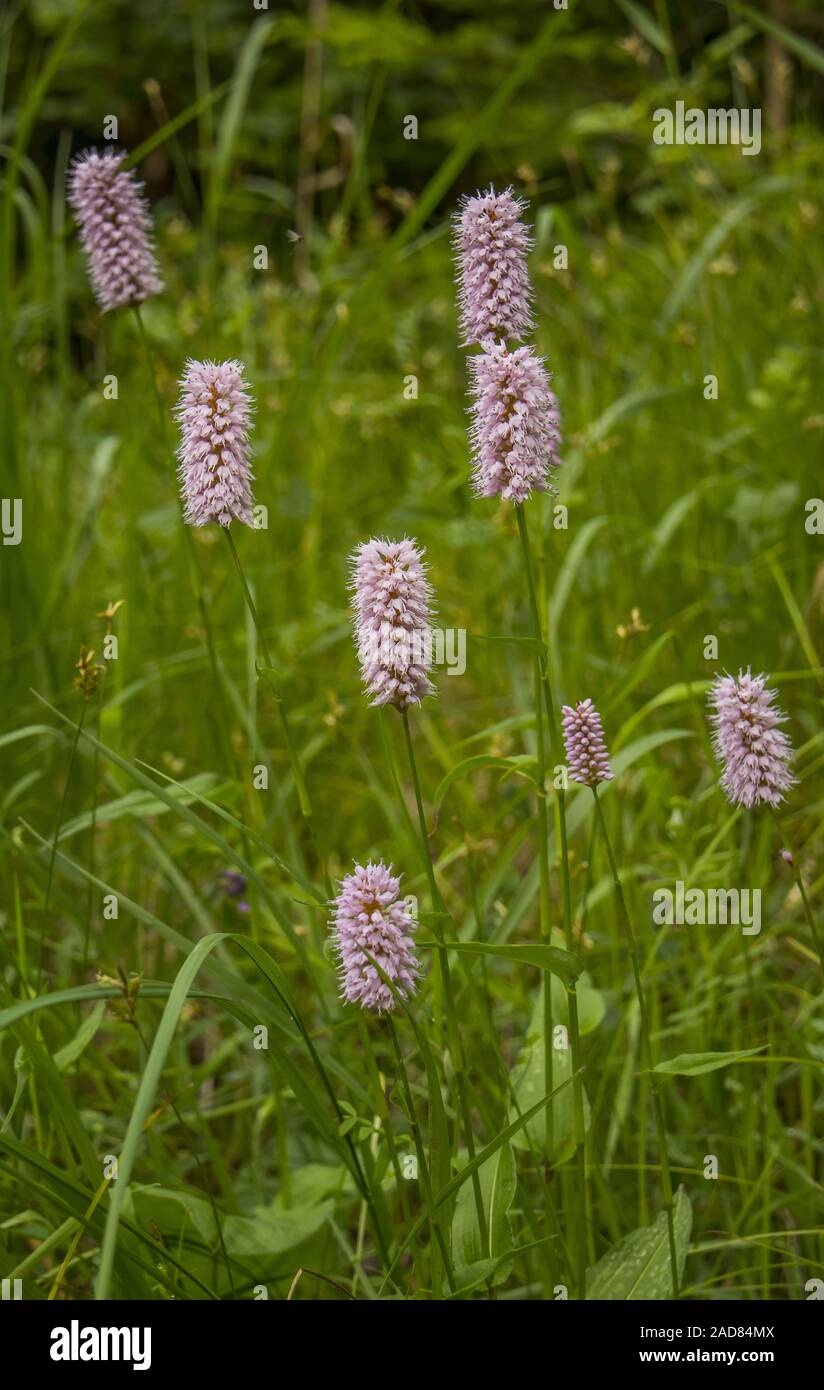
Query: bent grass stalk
453	1031
543	683
646	1042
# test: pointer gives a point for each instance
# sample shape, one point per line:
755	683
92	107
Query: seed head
89	673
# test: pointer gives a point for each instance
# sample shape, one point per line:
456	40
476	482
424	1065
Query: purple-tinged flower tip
754	752
115	228
214	413
515	432
392	602
232	883
373	926
491	246
786	855
586	751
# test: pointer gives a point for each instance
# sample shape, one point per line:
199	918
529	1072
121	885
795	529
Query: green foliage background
683	262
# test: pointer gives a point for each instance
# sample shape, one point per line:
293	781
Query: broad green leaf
624	1089
269	1232
456	1183
552	958
638	1267
471	1255
62	1191
697	1063
529	1081
81	1039
591	1004
155	1062
144	1100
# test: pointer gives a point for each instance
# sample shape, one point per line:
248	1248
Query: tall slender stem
221	725
92	834
423	1166
297	772
78	730
646	1041
797	875
446	978
579	1123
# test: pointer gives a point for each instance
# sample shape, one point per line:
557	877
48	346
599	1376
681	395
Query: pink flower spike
391	599
754	752
515	432
214	413
586	750
371	920
115	228
491	246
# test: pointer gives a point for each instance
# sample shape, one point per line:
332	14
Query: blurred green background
285	130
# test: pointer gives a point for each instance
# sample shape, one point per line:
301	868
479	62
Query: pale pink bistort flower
491	245
391	599
115	228
754	752
586	749
372	921
214	413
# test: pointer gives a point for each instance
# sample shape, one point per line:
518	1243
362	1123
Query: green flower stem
446	978
808	912
191	554
383	1113
78	731
544	686
423	1166
297	772
646	1040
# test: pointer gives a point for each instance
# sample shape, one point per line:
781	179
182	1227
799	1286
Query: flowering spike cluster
391	599
754	751
214	413
491	244
371	920
115	229
515	426
586	751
